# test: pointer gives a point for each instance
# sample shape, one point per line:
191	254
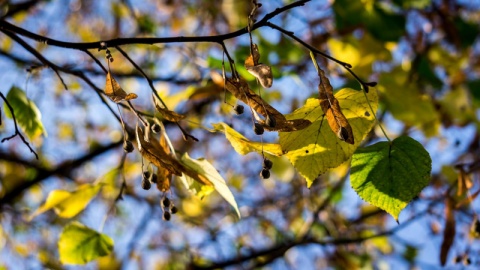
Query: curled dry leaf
115	92
167	114
331	108
261	71
239	88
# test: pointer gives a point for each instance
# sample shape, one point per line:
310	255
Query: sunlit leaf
389	175
68	204
244	146
79	244
317	148
115	92
205	169
26	113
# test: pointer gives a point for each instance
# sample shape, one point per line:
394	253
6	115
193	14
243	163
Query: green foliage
79	244
317	148
390	174
26	112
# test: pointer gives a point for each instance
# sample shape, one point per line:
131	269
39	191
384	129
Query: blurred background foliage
425	56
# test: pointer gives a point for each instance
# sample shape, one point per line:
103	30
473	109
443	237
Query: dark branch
61	169
13	9
4	25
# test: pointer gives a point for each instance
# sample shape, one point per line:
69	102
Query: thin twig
36	54
17	131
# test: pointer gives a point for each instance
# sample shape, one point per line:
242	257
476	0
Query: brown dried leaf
331	108
167	114
449	232
164	176
263	73
239	88
156	154
115	92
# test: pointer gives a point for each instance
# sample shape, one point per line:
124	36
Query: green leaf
204	168
68	204
317	148
79	244
390	175
26	113
242	145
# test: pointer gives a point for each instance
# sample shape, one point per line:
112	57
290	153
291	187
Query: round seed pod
166	216
155	128
146	184
174	209
146	175
111	59
128	146
166	202
265	174
270	121
238	109
154	178
267	164
258	129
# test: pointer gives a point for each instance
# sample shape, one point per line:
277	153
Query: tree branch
6	26
61	169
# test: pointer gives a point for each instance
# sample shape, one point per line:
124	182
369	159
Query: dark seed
174	210
111	59
270	121
146	175
166	216
258	129
467	261
154	178
155	128
238	109
166	202
128	146
265	174
267	164
146	184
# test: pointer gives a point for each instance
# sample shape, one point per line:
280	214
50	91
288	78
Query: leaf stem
375	115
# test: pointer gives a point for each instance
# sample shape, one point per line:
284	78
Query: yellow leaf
68	204
115	92
317	148
242	145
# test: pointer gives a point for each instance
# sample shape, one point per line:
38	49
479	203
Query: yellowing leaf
242	145
68	204
205	169
78	244
115	92
26	113
317	148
